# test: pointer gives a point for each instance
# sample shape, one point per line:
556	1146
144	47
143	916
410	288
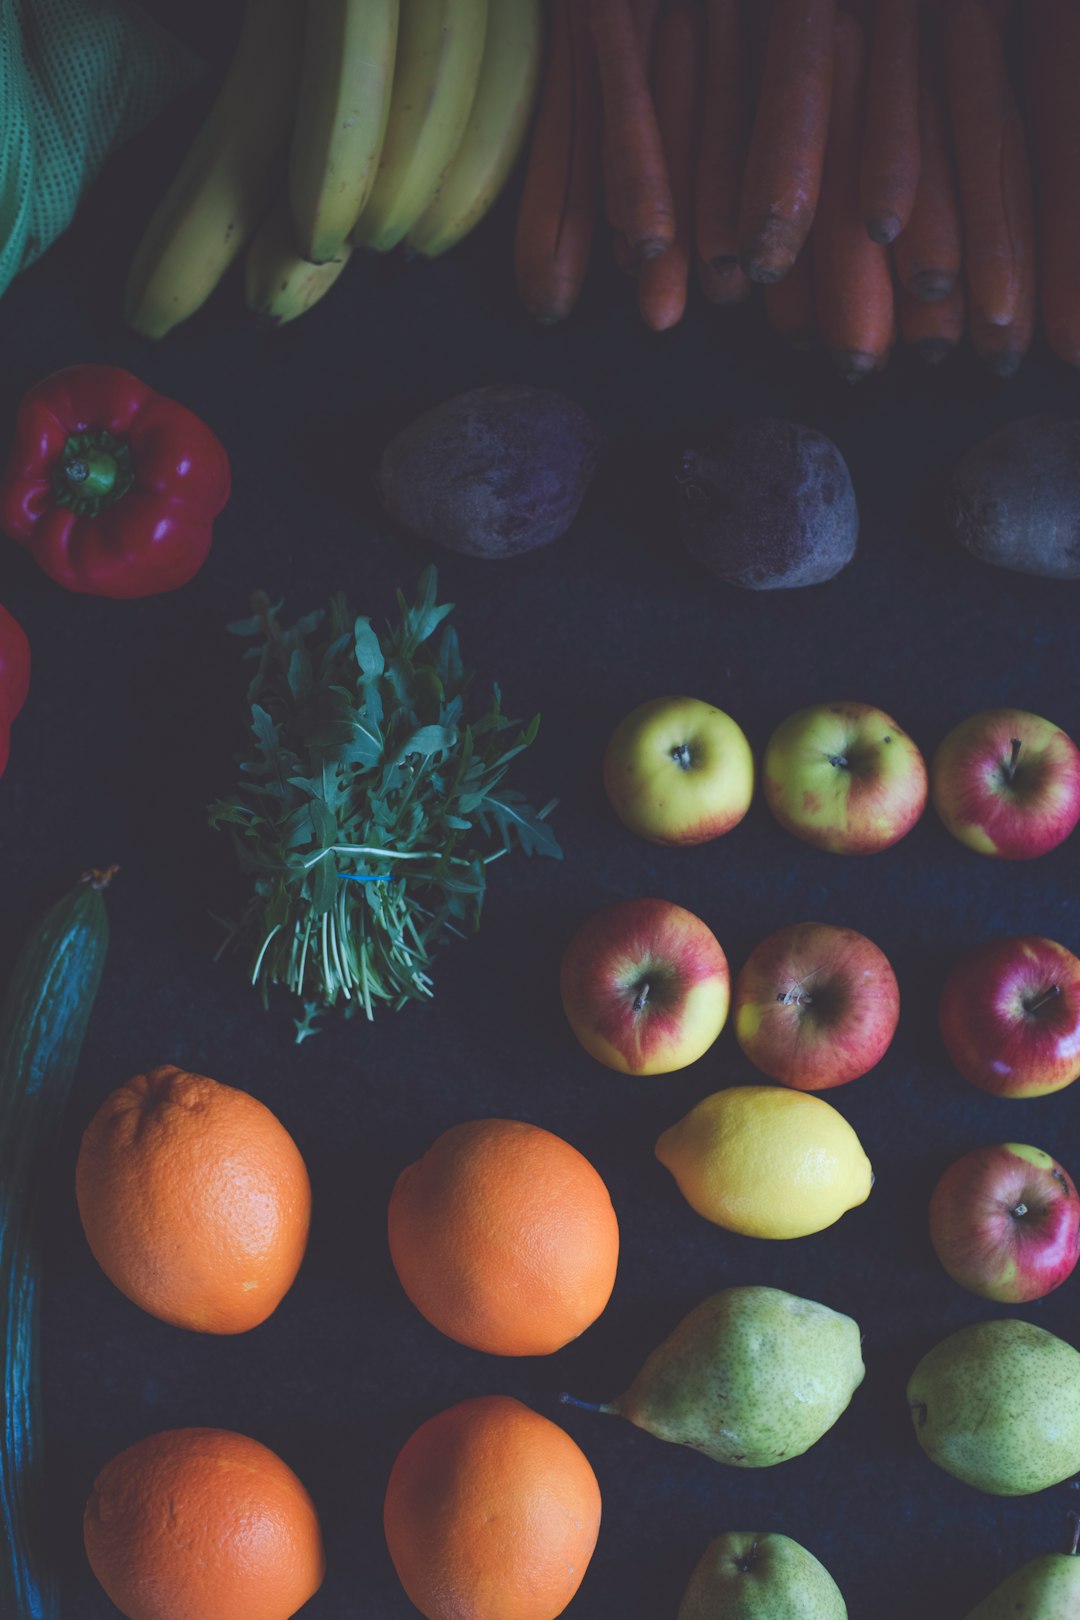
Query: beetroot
1014	499
768	505
492	473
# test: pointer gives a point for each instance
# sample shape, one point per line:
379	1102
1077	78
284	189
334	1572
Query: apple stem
795	997
1019	1211
1047	995
1075	1547
642	997
839	761
1013	760
681	756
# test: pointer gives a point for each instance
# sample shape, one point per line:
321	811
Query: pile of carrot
883	168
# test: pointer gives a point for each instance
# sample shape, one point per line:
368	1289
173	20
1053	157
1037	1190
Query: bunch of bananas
340	122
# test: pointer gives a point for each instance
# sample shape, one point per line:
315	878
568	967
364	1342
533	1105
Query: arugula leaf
367	760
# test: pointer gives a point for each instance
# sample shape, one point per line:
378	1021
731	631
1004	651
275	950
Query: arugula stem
299	986
266	945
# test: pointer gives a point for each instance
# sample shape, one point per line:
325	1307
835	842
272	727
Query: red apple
1010	1016
645	986
816	1006
1007	783
844	777
1005	1223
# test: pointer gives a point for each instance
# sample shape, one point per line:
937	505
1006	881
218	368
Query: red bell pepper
113	489
14	678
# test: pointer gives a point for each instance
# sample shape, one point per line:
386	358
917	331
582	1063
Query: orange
492	1513
504	1237
194	1199
202	1524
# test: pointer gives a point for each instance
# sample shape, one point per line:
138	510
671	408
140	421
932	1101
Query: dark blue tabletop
137	709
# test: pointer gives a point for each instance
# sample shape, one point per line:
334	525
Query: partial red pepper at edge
112	488
14	678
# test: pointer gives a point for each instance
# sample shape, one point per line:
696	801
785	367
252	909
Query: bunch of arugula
366	766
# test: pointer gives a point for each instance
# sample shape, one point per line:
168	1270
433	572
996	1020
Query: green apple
679	771
844	777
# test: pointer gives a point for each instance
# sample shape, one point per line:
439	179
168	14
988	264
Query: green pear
998	1405
1046	1589
752	1376
747	1576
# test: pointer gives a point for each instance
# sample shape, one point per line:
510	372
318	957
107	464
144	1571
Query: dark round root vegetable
492	473
1014	500
768	505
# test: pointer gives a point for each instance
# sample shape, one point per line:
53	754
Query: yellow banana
348	68
227	179
279	285
440	47
505	95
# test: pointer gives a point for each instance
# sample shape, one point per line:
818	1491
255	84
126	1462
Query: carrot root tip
651	247
883	228
855	364
769	250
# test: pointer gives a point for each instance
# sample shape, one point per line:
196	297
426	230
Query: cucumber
43	1019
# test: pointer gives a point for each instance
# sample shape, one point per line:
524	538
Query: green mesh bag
76	78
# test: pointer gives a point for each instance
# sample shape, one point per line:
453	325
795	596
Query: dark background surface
136	711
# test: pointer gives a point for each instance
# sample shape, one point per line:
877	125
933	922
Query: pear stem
586	1406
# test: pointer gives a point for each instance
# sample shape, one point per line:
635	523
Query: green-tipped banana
440	48
228	178
279	285
498	122
349	48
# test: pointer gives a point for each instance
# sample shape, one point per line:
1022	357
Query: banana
349	48
279	285
498	122
227	180
440	47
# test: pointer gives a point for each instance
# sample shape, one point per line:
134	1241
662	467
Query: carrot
927	253
852	279
783	167
1003	348
720	289
789	304
639	200
932	330
662	283
645	13
558	202
890	164
720	152
1051	54
981	104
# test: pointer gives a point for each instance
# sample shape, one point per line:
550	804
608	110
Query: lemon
767	1161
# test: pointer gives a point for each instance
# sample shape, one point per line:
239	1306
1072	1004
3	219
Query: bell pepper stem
91	472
